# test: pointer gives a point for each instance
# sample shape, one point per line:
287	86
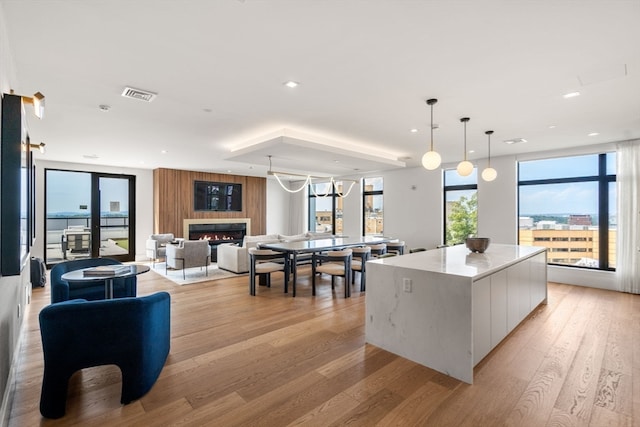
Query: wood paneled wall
173	200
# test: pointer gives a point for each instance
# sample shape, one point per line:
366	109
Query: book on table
107	270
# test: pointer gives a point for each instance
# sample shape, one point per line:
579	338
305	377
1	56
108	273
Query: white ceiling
365	68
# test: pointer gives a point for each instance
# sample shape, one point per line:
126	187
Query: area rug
193	275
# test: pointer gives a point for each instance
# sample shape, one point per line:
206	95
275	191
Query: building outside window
568	205
372	206
460	206
325	207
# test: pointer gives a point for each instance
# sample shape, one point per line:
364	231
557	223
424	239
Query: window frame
332	194
448	188
366	193
603	180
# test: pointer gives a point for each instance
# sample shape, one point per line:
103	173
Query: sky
67	191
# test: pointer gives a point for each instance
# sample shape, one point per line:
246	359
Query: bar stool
396	247
378	249
335	263
359	265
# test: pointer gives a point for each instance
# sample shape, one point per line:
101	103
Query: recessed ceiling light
91	156
163	151
571	95
291	84
472	151
414	130
594	134
552	126
515	141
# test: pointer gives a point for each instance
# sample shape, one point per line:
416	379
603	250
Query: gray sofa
235	258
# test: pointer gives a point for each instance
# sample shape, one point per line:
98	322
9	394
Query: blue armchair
62	290
131	333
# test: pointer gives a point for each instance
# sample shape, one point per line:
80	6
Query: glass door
116	237
68	215
89	215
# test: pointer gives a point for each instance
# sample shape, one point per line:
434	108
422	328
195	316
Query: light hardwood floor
274	360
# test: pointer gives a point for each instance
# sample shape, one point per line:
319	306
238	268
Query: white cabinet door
538	280
498	307
481	318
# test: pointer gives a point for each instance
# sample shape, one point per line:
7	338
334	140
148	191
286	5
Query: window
568	204
460	206
372	206
325	207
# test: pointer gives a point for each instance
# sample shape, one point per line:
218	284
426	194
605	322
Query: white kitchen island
448	308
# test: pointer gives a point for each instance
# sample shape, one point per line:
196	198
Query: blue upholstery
62	290
132	333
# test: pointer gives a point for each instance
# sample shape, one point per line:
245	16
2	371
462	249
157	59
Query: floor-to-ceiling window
89	215
326	207
373	206
460	206
568	205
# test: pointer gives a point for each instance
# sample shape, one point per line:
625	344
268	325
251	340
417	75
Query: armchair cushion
62	290
131	333
189	253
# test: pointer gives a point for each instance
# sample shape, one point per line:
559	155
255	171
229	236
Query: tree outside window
460	206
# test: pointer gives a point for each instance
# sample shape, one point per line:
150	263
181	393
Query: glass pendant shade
465	168
489	174
431	160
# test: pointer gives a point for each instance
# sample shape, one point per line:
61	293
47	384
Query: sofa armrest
233	258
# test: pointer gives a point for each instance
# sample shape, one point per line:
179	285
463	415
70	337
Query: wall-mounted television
217	196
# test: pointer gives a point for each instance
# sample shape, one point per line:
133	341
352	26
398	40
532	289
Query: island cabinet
448	308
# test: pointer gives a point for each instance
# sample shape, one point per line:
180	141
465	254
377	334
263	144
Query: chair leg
53	397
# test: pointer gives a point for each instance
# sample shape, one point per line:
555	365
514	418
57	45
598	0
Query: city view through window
569	206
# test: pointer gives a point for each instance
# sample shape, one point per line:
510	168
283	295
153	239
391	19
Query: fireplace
217	231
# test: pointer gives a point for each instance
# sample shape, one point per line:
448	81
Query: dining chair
396	247
334	263
263	262
379	249
359	265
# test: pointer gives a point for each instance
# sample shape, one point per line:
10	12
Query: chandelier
308	180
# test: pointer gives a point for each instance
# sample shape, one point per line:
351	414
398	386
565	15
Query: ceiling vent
139	94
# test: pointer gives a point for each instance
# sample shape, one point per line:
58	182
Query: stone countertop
460	261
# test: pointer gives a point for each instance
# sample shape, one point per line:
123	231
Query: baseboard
10	389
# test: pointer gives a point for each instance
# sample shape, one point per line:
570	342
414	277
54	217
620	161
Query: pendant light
431	160
465	167
489	173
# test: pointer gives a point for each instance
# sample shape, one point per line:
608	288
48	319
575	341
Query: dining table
295	248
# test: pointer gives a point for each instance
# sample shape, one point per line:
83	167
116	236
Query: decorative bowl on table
477	244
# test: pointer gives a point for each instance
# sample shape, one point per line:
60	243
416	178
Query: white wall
498	202
352	211
413	206
144	200
15	291
278	209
